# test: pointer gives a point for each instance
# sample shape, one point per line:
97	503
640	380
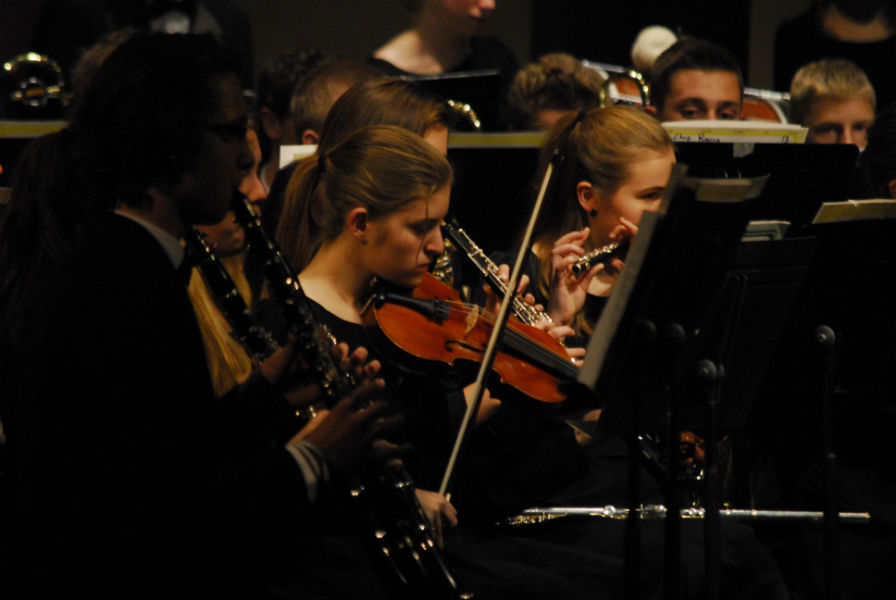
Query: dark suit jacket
125	475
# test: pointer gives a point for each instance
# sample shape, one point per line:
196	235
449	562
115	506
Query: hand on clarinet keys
353	438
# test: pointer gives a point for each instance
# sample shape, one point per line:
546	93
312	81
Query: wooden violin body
434	325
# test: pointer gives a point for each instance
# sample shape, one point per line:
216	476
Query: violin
434	325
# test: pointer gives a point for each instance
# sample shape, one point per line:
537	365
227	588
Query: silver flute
602	255
532	516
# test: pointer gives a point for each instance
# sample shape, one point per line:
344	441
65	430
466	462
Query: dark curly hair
686	54
139	123
141	119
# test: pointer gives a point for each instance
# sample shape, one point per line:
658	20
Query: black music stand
643	356
818	432
802	176
481	89
490	196
759	292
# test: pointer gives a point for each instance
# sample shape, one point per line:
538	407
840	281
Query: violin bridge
472	319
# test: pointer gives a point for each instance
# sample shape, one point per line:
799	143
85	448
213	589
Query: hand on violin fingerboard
560	333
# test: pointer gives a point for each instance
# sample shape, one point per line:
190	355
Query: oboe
525	312
602	255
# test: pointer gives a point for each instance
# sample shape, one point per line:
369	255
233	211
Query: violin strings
528	347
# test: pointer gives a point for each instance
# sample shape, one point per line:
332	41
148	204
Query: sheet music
294	152
736	132
855	210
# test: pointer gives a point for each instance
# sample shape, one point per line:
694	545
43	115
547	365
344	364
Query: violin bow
494	340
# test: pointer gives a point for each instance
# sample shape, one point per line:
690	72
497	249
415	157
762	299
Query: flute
531	516
602	255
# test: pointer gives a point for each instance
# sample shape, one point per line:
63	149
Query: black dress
802	41
486	53
487	100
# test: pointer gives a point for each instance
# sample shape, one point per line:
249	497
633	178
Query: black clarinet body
254	338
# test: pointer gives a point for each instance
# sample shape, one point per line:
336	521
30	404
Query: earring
592	213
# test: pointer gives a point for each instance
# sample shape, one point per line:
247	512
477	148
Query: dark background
594	29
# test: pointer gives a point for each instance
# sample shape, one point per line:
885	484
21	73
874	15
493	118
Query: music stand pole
674	340
711	375
826	340
646	333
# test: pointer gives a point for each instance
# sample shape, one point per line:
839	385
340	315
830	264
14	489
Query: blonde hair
834	79
227	361
597	146
382	168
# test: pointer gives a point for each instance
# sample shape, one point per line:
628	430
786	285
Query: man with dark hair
696	79
314	95
311	101
275	87
125	476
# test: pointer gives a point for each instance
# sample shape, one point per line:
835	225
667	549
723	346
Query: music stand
760	290
490	196
841	336
642	355
802	176
481	89
672	273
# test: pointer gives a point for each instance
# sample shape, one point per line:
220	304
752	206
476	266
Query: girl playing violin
376	201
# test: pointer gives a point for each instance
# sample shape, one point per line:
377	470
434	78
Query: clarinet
602	255
400	534
255	339
525	312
